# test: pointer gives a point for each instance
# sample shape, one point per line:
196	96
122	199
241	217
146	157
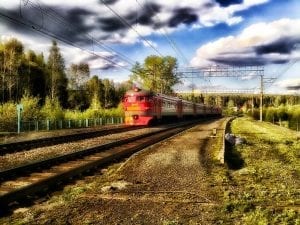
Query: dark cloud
226	3
107	66
183	15
108	2
14	19
293	87
111	24
282	46
144	15
94	57
279	61
247	61
238	61
64	24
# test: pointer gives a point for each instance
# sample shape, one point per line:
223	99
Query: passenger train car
143	107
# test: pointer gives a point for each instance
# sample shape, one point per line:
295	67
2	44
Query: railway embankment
181	181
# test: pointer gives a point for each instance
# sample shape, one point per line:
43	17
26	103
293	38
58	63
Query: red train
144	108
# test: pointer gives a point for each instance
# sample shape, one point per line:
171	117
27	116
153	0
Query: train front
138	106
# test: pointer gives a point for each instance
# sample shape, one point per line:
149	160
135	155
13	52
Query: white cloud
290	84
247	44
209	13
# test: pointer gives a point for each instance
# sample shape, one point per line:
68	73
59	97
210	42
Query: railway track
18	183
13	147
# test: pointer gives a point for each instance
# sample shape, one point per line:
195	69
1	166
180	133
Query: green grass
266	189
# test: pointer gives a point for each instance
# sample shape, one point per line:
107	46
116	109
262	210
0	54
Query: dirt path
168	183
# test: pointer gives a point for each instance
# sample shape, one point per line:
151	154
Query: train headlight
135	117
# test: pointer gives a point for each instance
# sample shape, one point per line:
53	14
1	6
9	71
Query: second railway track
7	148
20	182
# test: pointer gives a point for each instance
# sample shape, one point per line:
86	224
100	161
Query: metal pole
261	98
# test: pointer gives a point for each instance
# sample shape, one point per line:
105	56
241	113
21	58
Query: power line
172	43
283	71
63	21
131	27
62	39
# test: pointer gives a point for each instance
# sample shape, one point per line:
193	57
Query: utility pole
261	98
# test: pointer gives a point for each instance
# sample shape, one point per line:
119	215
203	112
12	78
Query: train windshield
136	99
142	98
130	99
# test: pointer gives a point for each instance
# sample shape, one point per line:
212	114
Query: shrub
294	117
282	113
31	110
255	114
8	116
271	115
52	109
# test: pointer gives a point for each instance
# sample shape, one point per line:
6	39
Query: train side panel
143	107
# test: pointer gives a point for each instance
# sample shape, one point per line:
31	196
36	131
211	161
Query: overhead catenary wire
171	42
131	27
49	34
63	21
165	33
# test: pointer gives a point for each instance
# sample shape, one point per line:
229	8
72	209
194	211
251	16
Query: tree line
49	89
29	73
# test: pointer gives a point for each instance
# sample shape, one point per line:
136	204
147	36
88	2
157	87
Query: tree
94	88
109	93
157	74
10	62
57	81
78	75
2	80
121	88
34	75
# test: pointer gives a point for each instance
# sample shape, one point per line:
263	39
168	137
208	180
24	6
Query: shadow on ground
233	158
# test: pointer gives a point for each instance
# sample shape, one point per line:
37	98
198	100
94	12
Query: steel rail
41	176
19	146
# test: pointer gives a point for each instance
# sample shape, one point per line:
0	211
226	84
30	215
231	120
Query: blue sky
111	35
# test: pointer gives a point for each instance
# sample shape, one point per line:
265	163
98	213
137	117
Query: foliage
34	75
11	58
8	115
57	81
52	109
157	74
271	114
78	75
31	109
288	116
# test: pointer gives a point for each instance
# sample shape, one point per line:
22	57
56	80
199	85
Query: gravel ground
33	135
172	182
21	158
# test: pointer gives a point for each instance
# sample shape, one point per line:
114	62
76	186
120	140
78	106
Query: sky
111	35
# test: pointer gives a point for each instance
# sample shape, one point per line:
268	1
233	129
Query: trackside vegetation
52	111
283	115
264	188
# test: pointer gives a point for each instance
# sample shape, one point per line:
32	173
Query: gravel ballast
168	183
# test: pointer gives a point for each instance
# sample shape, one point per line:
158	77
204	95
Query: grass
265	189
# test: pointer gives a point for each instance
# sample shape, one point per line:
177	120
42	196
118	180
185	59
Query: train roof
138	92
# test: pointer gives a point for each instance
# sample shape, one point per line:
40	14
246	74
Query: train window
129	99
142	98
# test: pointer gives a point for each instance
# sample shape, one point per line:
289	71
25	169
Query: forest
48	90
